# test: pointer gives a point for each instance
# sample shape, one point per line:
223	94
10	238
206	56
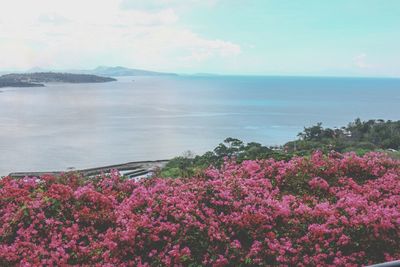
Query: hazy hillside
122	71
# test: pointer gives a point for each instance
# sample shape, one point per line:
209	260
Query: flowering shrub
333	210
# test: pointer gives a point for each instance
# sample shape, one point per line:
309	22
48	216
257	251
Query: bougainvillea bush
324	210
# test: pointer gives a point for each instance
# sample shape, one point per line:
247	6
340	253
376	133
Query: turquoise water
89	125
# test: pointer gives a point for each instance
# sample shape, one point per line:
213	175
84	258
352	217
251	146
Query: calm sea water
88	125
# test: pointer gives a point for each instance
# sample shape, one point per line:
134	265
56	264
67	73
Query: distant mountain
122	71
38	78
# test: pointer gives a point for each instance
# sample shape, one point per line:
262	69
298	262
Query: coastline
130	169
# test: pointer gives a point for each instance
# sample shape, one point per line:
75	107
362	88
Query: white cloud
201	49
361	61
53	19
160	4
10	59
76	33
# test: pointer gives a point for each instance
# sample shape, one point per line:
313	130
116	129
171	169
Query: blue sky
271	37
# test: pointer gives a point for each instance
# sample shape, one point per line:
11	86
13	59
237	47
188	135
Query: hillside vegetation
358	136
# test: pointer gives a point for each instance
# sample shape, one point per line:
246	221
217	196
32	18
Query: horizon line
199	74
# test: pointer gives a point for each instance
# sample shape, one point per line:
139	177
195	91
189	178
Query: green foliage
359	136
232	148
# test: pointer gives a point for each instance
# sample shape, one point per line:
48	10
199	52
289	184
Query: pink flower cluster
323	210
318	183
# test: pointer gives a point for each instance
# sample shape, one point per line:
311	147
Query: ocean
145	118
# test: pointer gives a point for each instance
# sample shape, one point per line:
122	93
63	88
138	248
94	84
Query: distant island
38	78
37	75
122	71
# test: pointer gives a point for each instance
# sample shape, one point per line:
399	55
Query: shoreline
130	169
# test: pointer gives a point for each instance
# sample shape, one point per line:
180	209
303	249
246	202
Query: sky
250	37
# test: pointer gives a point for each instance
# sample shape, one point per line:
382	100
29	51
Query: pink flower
254	214
318	183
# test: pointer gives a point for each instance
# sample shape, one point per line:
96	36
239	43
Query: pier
129	169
